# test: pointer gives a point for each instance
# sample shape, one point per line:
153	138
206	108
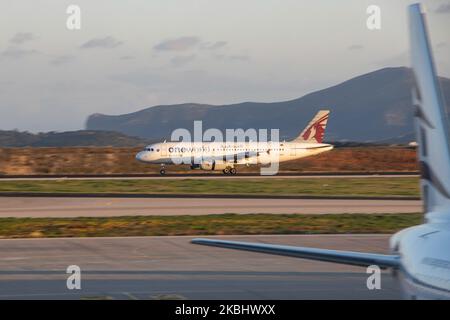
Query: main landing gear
229	170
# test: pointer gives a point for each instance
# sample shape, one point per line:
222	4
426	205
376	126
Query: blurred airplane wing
337	256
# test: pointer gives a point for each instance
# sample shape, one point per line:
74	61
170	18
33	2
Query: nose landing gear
163	170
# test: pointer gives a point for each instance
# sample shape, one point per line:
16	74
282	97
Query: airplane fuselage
198	154
424	271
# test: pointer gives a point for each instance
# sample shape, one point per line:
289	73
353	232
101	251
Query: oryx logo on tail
315	130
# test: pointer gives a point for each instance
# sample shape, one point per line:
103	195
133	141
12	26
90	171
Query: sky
129	55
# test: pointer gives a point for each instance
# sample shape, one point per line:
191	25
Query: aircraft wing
239	157
346	257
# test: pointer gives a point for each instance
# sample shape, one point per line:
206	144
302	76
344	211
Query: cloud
17	53
355	47
106	42
22	37
178	44
443	8
59	60
235	57
214	45
180	61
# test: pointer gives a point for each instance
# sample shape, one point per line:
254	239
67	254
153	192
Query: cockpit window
149	149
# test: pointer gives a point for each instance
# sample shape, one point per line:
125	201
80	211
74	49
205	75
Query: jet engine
213	165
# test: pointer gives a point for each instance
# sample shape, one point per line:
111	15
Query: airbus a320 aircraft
420	255
225	156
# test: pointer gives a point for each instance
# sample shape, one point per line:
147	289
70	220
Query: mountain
68	139
371	107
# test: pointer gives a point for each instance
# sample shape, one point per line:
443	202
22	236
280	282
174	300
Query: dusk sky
133	54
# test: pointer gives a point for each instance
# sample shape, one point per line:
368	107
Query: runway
172	267
101	207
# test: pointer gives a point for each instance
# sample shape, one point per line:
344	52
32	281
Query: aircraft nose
140	156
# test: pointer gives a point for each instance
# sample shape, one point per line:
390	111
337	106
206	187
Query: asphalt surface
172	267
98	207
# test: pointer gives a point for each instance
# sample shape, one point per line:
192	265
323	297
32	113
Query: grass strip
222	224
401	186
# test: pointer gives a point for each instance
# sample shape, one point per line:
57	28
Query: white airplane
225	156
420	255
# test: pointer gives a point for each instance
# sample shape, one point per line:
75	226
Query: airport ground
173	268
170	267
206	225
113	207
343	212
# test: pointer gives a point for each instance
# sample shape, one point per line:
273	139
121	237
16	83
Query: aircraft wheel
233	170
162	172
226	170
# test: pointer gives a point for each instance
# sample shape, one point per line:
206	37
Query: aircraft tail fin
315	130
430	120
